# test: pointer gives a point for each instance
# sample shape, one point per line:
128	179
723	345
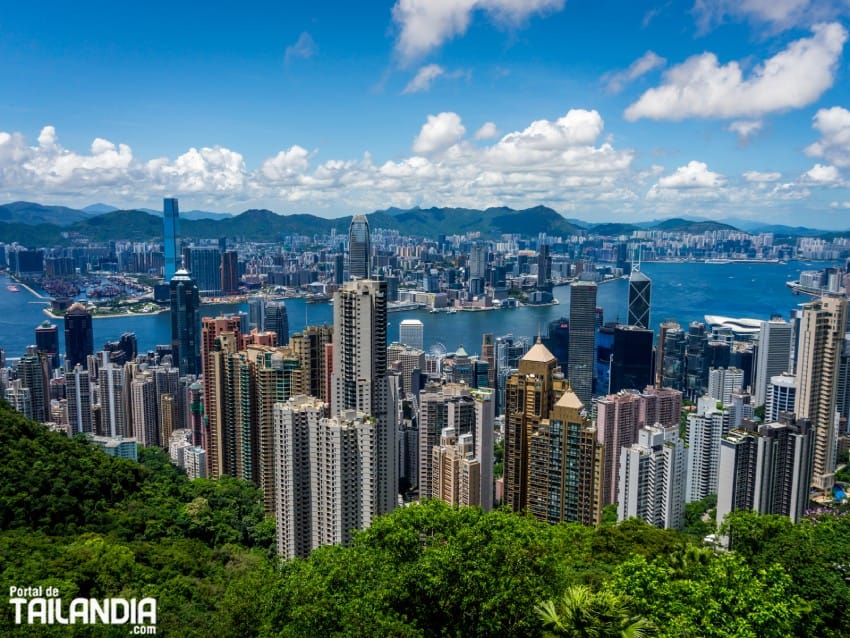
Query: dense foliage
95	526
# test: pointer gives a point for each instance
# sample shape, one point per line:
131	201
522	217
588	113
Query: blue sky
602	110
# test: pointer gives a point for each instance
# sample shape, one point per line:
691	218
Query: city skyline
686	109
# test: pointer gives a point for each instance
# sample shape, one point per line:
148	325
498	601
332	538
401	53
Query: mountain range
33	224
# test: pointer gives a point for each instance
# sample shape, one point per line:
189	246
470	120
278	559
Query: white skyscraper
774	354
781	396
144	408
411	332
652	478
359	380
722	382
705	430
113	401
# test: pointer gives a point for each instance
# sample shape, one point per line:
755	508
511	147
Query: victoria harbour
683	291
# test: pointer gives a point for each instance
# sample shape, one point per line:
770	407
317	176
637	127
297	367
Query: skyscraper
360	381
652	478
204	262
47	342
640	288
78	392
617	425
171	231
32	372
411	333
774	354
530	395
631	358
768	471
185	322
821	336
229	272
79	337
359	248
582	329
277	320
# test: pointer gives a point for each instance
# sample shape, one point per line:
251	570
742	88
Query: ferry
13	288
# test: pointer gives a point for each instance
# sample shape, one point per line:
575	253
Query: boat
401	306
13	288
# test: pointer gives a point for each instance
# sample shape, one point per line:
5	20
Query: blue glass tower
171	229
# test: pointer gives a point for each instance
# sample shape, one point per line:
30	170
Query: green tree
581	613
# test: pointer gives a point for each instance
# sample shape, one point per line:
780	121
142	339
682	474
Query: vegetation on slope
99	527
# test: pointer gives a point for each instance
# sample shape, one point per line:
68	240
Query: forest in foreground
93	526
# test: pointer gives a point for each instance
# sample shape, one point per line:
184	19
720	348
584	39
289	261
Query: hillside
93	526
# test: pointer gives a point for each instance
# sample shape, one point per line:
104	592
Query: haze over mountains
29	223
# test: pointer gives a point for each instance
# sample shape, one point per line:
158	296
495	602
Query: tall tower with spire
359	247
640	288
185	322
170	232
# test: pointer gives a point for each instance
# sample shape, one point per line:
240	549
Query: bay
684	292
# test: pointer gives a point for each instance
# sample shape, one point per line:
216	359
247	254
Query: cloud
701	87
695	179
423	78
779	14
834	126
439	133
304	48
487	131
757	177
745	129
820	174
424	25
644	64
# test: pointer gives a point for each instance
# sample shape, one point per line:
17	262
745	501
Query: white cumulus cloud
702	87
487	131
425	25
745	129
778	14
439	133
834	145
821	174
757	177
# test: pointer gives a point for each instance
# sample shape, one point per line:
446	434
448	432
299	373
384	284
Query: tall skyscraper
277	320
360	381
79	337
617	424
359	248
781	396
530	395
411	332
32	372
185	322
204	262
114	404
171	232
704	431
640	288
79	393
457	473
47	342
229	272
582	330
773	358
257	312
309	347
722	382
631	358
821	336
652	478
672	357
768	471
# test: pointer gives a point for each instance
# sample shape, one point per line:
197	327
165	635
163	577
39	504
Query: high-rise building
171	232
257	312
229	272
722	382
671	356
143	404
78	390
457	473
204	262
411	332
406	359
821	337
582	329
47	342
530	395
660	406
843	399
617	425
705	429
277	321
564	475
768	471
185	321
652	478
32	371
296	422
640	287
309	347
79	337
20	398
488	354
359	248
114	404
631	358
360	380
773	357
781	396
